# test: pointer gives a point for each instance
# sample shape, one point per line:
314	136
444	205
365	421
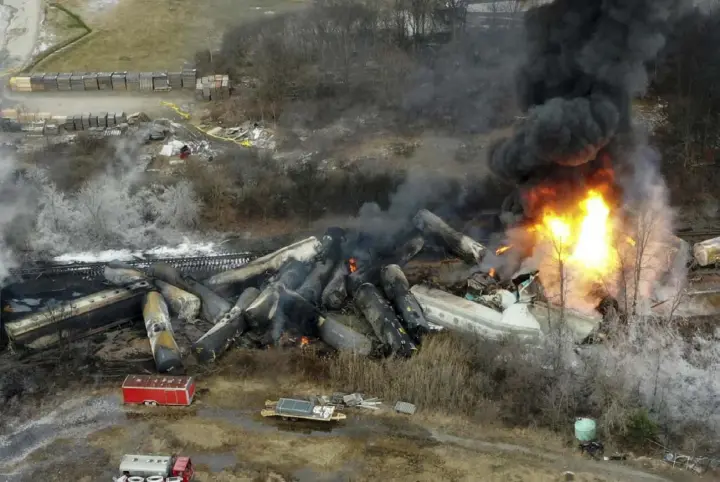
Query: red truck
158	390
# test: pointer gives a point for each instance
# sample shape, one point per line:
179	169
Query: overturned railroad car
44	325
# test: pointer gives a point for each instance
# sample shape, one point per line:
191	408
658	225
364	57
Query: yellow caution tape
186	115
182	113
243	143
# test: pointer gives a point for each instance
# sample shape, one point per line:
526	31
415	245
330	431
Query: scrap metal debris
699	465
405	407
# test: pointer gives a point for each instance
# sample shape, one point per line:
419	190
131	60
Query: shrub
640	428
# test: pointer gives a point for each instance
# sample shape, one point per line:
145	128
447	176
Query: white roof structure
146	465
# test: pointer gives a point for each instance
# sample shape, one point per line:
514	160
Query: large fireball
575	250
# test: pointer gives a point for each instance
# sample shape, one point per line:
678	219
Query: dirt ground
229	441
72	103
155	35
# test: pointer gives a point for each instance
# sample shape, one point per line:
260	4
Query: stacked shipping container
45	123
213	87
93	81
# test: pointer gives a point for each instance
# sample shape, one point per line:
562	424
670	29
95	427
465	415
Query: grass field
57	28
154	35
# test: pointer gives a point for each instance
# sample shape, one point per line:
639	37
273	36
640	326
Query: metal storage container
37	82
76	82
118	80
175	80
21	84
102	119
146	81
160	81
104	80
51	81
63	81
189	76
90	80
77	122
93	121
111	119
133	80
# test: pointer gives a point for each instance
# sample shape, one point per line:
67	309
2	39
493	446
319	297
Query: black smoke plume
585	61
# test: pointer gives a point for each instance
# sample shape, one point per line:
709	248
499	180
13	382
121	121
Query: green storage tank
585	429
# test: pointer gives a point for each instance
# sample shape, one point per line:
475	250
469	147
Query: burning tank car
301	293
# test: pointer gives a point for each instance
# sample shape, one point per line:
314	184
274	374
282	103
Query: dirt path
612	469
72	103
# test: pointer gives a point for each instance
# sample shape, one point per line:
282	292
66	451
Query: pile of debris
250	134
298	294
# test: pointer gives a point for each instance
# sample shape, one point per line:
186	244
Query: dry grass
58	27
368	446
438	377
455	379
154	35
327	457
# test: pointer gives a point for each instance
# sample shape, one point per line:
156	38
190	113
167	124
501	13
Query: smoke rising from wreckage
575	158
573	224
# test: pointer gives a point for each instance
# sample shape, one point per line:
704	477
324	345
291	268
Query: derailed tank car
68	318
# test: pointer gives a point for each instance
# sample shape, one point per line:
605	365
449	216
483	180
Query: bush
243	185
640	429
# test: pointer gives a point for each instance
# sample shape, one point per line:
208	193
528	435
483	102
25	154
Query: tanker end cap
168	360
478	250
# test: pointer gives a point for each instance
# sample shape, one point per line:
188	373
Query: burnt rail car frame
195	263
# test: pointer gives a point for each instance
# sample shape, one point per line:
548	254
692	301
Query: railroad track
185	264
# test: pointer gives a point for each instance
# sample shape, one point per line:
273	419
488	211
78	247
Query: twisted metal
184	264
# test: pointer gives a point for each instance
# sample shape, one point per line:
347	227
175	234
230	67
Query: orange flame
503	249
352	263
576	248
304	341
491	273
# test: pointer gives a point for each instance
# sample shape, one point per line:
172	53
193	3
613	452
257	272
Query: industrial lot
347	240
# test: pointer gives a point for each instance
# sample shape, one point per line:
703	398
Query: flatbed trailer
290	409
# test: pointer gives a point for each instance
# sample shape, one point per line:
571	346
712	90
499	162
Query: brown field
154	35
454	436
230	442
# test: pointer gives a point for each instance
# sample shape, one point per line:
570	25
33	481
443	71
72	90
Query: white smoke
14	202
653	259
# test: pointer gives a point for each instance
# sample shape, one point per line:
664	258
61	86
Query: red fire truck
155	468
158	389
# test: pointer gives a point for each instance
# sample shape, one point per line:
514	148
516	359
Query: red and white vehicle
155	468
158	389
